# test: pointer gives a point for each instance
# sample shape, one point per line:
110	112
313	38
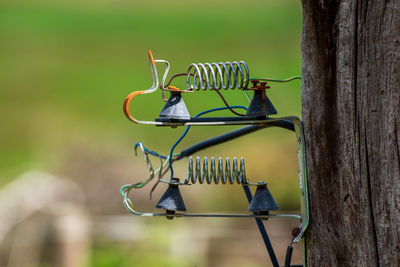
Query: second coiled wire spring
217	76
214	174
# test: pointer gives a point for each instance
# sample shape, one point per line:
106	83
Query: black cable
286	124
288	257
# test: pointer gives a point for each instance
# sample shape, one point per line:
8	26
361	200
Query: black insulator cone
171	199
260	105
262	200
175	108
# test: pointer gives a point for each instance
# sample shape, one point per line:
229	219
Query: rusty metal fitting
296	231
255	82
175	89
257	85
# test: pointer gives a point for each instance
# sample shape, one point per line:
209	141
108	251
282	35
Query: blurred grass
66	66
105	256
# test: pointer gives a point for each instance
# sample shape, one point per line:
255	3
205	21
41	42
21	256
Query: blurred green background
66	67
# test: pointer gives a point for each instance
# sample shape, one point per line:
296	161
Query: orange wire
151	58
126	104
128	99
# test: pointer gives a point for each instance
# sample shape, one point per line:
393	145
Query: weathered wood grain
351	114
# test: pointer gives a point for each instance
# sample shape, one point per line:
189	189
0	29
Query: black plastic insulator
262	200
175	109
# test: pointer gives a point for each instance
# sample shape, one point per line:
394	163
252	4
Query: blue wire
186	131
150	152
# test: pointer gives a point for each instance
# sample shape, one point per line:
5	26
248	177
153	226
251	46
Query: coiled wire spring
214	174
217	76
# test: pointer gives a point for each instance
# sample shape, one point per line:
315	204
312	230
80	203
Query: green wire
247	94
123	188
131	186
273	80
277	80
248	97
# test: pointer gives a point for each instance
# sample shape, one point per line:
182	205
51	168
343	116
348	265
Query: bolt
255	82
169	212
264	213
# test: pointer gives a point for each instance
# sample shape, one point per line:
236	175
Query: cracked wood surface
351	113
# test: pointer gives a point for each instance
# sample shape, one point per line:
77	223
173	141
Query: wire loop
217	76
213	174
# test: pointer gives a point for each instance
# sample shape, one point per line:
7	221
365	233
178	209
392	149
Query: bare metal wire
129	206
212	174
217	76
